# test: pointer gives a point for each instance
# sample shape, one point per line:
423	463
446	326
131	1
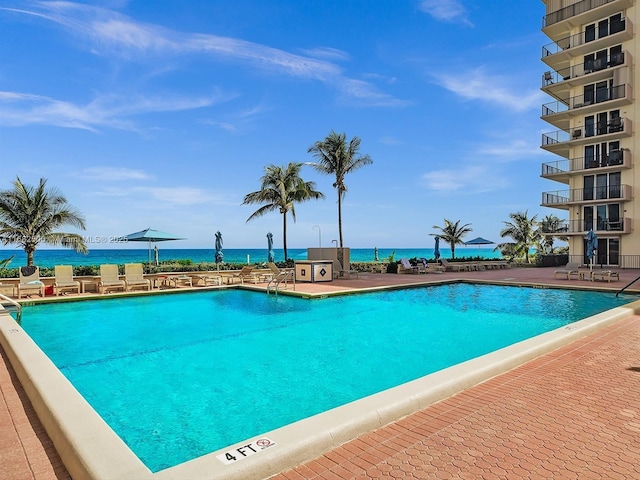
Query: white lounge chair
568	270
110	279
246	275
134	277
406	267
64	280
209	279
452	267
29	281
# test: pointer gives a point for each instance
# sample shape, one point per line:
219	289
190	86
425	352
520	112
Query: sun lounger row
109	280
571	269
423	267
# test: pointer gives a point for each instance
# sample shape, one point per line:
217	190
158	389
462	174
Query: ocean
51	257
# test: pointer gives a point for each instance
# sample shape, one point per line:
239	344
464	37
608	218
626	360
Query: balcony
558	24
561	112
562	170
600	226
560	54
597	195
560	142
559	81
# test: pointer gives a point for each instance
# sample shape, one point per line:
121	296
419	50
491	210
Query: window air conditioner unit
577	133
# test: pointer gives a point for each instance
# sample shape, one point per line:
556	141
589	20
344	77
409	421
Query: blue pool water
179	376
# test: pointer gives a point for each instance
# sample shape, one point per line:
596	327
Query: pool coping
90	449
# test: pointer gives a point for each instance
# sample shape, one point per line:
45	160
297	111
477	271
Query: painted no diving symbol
263	442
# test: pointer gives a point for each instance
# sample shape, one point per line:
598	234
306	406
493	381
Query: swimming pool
193	383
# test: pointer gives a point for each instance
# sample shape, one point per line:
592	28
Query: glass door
587	218
588	184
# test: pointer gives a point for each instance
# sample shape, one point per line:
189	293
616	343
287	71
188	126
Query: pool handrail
4	298
282	276
627	286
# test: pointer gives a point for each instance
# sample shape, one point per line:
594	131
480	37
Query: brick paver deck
571	414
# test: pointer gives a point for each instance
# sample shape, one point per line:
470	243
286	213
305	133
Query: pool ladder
15	306
283	276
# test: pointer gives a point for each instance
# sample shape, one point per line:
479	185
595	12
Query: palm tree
336	157
29	215
453	233
523	231
280	189
548	228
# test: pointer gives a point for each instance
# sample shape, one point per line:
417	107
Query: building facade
590	78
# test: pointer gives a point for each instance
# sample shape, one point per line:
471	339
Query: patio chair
110	279
407	267
181	280
605	275
134	277
64	280
568	270
245	275
29	281
209	279
452	267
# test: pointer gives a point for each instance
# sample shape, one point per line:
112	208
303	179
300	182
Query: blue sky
163	114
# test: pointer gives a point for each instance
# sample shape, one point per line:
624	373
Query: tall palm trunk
340	218
284	234
341	249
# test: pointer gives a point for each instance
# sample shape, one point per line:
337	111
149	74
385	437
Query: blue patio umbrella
149	235
436	250
592	246
479	241
219	254
270	255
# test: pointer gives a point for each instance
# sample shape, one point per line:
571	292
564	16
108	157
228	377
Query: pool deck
571	413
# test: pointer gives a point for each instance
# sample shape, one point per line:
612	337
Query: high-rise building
591	79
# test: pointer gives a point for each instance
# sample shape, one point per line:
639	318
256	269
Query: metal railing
14	304
567	165
572	10
579	101
608	260
585	68
563	197
598	225
283	277
614	125
580	39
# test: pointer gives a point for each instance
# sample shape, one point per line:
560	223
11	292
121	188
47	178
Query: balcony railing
598	225
579	101
617	124
582	69
611	259
583	195
613	158
572	10
580	39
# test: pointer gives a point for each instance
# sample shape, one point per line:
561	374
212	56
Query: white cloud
510	151
113	174
445	10
108	33
167	196
465	181
326	53
476	85
104	111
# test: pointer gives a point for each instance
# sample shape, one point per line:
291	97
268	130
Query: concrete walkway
573	413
